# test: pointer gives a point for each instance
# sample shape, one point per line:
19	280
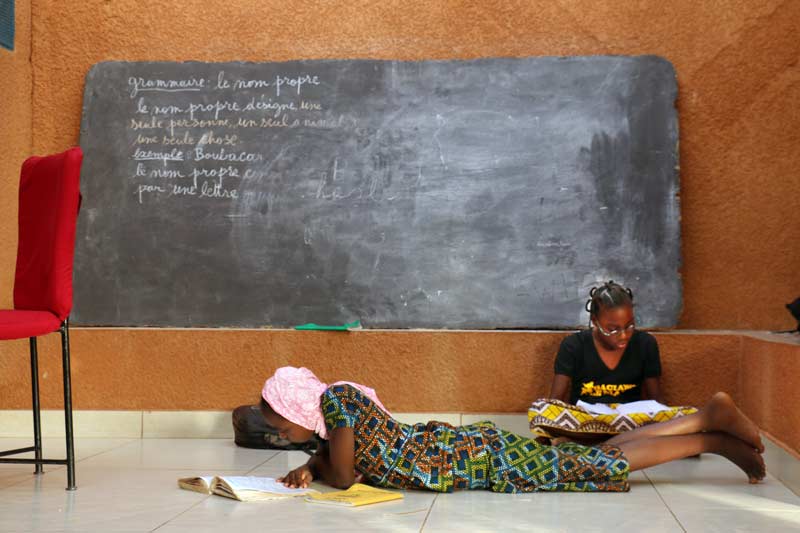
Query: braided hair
607	296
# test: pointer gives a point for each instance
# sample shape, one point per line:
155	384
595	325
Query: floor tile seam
117	447
22	479
428	514
77	460
259	465
58	468
661	497
737	506
195	504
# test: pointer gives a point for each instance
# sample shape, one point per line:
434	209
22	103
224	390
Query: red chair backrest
49	199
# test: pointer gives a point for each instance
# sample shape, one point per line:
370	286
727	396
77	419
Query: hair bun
609	294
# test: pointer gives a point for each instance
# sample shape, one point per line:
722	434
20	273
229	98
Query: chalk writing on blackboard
489	193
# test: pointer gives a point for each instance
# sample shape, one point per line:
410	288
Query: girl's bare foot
723	415
743	455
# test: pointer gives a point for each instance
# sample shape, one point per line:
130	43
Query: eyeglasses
613	332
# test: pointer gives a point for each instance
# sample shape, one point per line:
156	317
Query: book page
268	485
644	406
197	484
598	408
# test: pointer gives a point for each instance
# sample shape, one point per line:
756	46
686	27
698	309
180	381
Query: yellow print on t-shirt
604	389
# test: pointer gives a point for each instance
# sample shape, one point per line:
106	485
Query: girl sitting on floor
612	361
361	436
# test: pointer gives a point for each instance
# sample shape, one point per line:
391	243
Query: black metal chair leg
68	406
37	421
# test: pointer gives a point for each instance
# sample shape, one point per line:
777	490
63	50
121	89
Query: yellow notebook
355	496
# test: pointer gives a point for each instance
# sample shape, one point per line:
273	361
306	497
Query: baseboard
195	424
782	462
86	424
187	425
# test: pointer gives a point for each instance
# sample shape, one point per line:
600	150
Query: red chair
49	200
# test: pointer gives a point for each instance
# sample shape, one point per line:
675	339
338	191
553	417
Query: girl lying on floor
362	437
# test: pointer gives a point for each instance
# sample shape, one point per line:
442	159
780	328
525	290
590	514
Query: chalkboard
488	193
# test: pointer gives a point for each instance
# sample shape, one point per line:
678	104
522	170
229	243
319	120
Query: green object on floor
345	327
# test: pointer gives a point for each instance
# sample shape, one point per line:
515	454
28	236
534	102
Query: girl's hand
299	478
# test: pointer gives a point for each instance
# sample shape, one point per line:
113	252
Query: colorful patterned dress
438	456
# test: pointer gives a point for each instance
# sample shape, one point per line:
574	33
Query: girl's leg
685	425
651	451
719	414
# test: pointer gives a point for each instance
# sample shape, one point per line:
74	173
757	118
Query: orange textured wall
770	388
461	371
16	136
434	371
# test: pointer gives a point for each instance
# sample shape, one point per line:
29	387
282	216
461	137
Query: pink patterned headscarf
294	393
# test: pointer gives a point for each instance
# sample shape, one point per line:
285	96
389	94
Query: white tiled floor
130	485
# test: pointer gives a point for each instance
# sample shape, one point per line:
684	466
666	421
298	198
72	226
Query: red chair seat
18	324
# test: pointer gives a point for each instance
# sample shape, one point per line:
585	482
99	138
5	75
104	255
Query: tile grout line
660	497
15	483
180	514
265	461
59	468
428	514
123	445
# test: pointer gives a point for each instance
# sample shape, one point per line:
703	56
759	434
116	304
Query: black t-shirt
594	382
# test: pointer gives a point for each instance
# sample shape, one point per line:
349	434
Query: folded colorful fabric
554	418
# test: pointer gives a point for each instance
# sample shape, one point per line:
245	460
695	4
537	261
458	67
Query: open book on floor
355	496
242	488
